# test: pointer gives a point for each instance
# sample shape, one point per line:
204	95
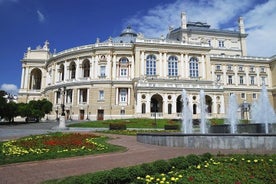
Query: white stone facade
134	76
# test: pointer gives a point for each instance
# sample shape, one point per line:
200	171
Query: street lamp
62	117
87	113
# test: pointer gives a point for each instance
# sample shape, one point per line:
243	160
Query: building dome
128	35
128	32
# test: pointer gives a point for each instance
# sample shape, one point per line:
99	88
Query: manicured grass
55	145
130	123
207	168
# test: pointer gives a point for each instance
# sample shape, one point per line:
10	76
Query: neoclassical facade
134	76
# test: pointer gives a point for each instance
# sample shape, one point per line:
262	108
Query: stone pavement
137	153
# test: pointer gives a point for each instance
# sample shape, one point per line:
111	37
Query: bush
193	159
161	166
179	162
117	126
171	127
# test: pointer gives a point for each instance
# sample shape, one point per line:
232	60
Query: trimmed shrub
193	159
161	166
171	127
117	126
179	162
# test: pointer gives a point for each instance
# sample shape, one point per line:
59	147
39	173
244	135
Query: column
165	64
148	104
116	96
128	96
91	64
182	67
114	75
187	68
165	104
22	78
132	66
142	63
174	104
66	71
78	69
160	65
203	67
26	78
139	104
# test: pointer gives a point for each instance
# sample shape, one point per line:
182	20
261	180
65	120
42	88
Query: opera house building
133	76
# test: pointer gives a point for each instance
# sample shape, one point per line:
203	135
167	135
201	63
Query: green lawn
130	123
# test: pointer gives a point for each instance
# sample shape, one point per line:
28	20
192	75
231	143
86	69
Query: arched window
151	65
193	67
143	108
35	79
61	72
72	69
194	108
86	68
172	66
169	108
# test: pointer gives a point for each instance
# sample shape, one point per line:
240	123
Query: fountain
232	113
187	126
233	140
262	111
202	112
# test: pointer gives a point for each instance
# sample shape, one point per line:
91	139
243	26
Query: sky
70	23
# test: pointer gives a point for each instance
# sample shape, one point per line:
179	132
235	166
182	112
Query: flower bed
235	169
55	145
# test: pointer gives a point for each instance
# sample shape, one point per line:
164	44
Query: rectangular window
230	80
123	95
83	96
254	95
151	67
69	96
252	80
218	67
241	79
101	95
251	68
102	72
240	68
172	68
229	67
262	69
243	95
221	43
263	80
123	72
57	97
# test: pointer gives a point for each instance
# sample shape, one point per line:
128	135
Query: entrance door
100	115
81	114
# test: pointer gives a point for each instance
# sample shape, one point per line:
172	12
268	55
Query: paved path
137	153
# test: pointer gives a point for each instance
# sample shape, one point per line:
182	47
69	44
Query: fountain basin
210	141
243	128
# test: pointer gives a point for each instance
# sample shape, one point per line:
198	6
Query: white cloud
10	88
41	17
221	14
260	24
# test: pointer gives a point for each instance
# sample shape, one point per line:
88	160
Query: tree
10	111
3	103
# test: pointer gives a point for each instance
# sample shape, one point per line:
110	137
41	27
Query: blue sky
70	23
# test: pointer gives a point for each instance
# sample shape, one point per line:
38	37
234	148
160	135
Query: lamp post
62	117
87	113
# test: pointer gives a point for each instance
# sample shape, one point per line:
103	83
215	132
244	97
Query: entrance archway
156	103
209	103
179	104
